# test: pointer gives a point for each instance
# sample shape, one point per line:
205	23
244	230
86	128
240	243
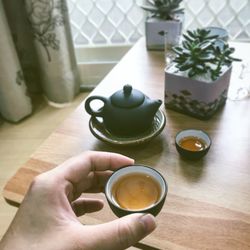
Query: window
109	22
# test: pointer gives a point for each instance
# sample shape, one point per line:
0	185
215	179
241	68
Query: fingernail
148	222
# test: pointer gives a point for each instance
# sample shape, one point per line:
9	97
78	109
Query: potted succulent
197	81
164	16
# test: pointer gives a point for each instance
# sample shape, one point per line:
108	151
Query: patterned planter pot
196	98
153	26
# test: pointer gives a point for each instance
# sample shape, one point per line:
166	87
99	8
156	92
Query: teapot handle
90	110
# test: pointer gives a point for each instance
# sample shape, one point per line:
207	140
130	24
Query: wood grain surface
208	204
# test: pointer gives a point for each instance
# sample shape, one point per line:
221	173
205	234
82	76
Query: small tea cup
136	189
192	144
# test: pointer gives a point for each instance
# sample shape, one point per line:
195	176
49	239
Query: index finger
79	167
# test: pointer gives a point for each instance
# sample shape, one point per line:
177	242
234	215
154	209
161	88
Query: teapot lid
127	97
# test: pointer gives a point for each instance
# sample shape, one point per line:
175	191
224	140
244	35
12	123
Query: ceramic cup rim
145	169
193	132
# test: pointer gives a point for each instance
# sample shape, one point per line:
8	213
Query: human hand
47	218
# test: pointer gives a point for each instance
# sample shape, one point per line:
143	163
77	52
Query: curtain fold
40	45
14	101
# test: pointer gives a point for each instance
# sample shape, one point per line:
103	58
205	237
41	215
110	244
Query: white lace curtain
36	55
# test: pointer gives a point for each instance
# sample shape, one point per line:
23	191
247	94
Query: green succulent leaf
202	53
205	45
207	57
192	73
234	59
177	50
149	8
188	38
163	9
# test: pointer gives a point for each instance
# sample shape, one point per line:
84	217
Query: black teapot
128	112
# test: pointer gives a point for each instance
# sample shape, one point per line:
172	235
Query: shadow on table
192	170
140	153
145	246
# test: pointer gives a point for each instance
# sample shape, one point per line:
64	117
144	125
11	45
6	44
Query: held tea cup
136	188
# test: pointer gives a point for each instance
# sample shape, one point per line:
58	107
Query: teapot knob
127	97
127	89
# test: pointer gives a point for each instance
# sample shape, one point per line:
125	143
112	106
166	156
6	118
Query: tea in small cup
136	189
192	143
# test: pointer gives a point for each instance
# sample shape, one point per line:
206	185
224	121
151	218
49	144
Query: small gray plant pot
153	27
194	97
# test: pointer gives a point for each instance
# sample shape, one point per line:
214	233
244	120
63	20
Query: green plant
163	9
201	53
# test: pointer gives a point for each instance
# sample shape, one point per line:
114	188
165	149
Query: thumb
124	232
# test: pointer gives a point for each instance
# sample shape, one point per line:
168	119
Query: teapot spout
155	105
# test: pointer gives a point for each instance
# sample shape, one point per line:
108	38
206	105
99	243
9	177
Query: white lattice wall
122	21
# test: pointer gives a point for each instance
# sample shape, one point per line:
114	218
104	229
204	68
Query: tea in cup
192	143
136	188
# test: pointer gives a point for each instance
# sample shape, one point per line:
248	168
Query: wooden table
208	204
